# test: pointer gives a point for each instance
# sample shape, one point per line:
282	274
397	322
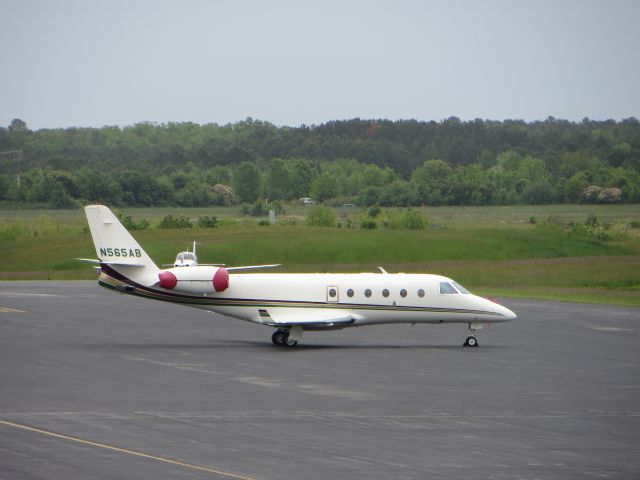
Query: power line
17	156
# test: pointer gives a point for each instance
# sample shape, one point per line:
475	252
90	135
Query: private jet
290	303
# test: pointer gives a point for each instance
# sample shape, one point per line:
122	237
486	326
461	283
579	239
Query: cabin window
421	293
447	289
350	293
332	292
367	293
460	288
403	293
385	293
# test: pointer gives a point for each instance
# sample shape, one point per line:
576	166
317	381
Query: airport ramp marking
222	473
11	310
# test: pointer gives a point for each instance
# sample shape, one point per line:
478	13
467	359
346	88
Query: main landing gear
281	338
287	338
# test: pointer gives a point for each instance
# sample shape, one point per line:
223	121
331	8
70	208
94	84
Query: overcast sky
93	63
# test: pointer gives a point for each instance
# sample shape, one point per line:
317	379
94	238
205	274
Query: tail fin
115	245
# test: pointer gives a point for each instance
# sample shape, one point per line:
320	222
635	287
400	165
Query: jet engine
198	279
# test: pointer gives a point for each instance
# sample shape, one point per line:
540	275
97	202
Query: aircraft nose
508	314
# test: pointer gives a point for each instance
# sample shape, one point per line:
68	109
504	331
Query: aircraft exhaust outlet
198	279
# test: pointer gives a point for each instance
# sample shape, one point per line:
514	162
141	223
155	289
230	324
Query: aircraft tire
471	342
290	343
279	338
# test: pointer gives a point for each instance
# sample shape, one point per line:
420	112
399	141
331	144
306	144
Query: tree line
367	162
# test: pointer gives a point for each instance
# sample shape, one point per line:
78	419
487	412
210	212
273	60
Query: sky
86	63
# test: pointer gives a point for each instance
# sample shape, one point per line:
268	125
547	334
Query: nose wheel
470	342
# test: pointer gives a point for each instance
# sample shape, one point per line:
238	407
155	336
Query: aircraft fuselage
367	298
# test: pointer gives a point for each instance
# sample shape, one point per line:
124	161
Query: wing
253	267
307	317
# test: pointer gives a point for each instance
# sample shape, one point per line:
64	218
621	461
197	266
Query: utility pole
17	156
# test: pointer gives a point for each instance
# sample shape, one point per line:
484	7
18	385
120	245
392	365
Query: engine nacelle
198	279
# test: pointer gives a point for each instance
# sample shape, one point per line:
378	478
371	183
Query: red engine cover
167	280
221	280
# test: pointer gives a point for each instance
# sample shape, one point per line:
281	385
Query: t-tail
117	250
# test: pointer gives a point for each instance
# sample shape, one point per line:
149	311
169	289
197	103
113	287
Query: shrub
368	223
593	228
374	212
223	194
277	207
257	209
170	221
619	231
590	194
610	195
207	222
59	198
413	220
130	224
321	216
596	194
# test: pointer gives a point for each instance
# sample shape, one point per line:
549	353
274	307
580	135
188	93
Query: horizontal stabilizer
124	262
88	260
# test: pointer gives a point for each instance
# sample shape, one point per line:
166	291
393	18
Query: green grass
494	251
508	217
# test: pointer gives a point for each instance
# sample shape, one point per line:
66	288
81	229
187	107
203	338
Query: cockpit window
447	289
189	256
461	289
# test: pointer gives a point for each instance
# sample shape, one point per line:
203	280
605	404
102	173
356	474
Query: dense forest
366	162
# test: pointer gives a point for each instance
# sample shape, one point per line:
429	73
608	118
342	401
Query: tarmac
96	384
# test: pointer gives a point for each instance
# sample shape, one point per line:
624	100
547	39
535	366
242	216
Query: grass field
494	251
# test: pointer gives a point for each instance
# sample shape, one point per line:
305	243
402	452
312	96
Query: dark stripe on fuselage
192	300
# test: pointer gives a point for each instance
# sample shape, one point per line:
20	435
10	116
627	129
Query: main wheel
471	342
290	343
279	337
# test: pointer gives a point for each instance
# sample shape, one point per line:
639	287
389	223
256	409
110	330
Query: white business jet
290	303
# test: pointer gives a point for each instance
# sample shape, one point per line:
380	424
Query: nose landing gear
471	339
